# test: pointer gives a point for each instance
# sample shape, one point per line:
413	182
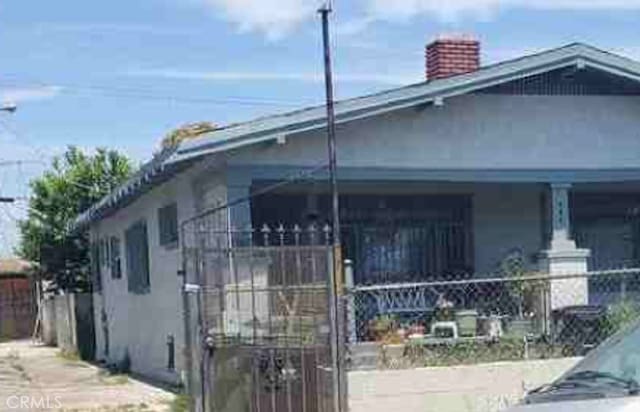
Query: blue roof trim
262	129
149	175
312	118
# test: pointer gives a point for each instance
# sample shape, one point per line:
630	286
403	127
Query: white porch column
562	256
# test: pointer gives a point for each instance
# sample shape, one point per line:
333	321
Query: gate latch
209	342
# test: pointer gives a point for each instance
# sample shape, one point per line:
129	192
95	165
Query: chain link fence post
350	299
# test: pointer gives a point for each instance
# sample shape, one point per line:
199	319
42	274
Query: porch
415	247
410	231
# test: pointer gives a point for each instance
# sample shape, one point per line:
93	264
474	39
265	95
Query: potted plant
521	293
382	327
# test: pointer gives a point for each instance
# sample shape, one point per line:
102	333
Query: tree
75	181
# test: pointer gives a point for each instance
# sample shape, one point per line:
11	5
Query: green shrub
620	316
180	403
469	353
68	355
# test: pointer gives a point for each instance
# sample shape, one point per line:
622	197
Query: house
17	299
540	153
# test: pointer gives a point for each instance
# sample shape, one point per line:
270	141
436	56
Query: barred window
116	264
168	225
137	254
94	255
104	252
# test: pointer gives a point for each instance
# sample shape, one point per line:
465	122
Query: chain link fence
262	321
467	321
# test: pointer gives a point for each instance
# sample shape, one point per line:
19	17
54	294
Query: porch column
239	187
562	257
239	214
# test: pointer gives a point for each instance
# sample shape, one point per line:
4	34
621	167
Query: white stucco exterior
473	132
139	325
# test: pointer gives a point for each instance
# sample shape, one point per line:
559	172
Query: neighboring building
539	153
17	299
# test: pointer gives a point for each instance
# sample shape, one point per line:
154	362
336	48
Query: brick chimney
452	55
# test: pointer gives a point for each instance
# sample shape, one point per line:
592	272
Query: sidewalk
43	380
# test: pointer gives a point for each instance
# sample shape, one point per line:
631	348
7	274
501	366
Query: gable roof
313	118
267	128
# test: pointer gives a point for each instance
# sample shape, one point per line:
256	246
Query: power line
22	139
13	199
7	212
12	221
25	208
295	177
149	94
20	162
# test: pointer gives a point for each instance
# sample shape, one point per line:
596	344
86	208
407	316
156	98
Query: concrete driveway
38	378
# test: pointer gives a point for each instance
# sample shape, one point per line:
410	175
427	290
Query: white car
606	380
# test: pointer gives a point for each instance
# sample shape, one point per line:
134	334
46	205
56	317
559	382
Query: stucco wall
506	217
140	324
468	132
488	387
479	131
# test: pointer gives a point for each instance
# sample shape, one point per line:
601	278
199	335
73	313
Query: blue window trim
137	255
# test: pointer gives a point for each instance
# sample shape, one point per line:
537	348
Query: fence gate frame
266	301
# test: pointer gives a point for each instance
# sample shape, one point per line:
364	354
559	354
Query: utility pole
331	124
337	335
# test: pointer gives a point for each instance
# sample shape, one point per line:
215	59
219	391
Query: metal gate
263	333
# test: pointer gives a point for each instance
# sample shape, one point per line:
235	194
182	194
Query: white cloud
271	76
112	28
24	94
454	9
354	26
275	18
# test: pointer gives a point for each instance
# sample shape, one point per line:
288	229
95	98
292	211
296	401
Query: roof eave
352	115
311	119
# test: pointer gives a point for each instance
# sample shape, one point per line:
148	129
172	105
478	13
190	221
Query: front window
116	264
96	275
168	225
137	255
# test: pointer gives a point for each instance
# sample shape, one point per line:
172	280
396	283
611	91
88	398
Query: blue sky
123	73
